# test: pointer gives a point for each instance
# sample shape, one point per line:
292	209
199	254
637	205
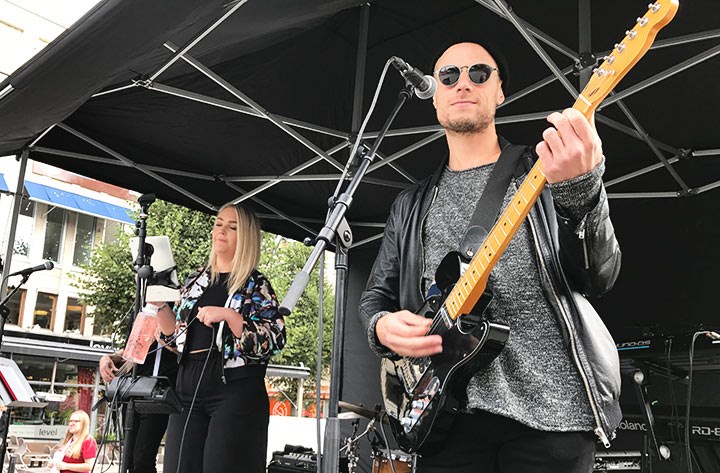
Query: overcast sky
27	26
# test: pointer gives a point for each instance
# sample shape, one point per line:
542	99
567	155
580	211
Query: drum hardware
357	412
351	445
398	462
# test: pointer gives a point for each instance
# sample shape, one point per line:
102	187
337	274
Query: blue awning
3	184
79	203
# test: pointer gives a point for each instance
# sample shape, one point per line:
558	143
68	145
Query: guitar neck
471	285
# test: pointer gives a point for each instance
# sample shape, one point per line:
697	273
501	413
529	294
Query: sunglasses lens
480	73
449	75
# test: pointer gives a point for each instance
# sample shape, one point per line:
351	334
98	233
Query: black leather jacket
576	259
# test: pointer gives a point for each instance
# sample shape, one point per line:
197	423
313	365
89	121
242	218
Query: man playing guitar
553	389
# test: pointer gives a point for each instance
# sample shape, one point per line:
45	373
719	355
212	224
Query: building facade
49	332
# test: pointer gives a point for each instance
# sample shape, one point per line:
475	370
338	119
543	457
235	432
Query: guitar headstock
625	54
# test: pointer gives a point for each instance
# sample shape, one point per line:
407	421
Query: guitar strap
490	202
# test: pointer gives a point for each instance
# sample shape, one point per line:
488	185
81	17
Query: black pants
487	443
227	428
147	434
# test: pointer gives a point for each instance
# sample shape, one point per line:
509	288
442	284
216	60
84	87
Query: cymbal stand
351	444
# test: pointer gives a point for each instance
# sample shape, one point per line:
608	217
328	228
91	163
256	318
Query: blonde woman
226	327
78	449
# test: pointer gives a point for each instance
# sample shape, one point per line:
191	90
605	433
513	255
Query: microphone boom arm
336	220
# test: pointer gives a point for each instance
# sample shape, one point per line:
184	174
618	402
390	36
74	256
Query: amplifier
617	461
150	394
290	462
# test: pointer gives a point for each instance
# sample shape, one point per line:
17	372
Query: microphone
425	85
29	271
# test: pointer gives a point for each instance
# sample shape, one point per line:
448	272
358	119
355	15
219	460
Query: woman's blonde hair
75	449
247	249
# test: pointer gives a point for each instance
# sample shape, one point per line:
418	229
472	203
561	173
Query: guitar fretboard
465	295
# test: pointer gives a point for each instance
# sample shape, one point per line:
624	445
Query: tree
108	281
281	259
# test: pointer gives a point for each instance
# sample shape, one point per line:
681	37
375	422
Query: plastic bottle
142	335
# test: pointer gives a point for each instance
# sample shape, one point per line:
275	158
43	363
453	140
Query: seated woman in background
78	449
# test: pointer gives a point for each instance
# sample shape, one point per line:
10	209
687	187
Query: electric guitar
422	394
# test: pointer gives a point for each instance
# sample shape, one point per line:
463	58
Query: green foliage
108	282
281	260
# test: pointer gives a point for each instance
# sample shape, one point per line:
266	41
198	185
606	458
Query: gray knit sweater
533	380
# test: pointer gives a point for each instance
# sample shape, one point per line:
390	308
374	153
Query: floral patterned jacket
264	329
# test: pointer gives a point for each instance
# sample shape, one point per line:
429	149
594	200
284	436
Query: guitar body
421	395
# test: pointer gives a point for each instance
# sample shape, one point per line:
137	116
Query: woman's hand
211	314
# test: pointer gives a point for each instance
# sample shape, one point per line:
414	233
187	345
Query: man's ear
500	95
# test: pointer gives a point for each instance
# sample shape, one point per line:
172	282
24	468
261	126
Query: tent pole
639	172
271	208
706	152
584	42
237	93
667	73
331	444
523	30
17	201
185	94
179	53
407	150
545	38
360	68
685	39
708	187
600	118
137	166
646	138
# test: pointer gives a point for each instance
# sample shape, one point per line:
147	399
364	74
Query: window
74	315
84	236
35	368
25	228
54	233
72	379
44	310
15	305
111	231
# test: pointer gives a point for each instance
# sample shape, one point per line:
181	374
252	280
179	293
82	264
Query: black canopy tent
264	103
203	102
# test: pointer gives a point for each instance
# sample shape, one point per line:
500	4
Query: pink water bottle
142	335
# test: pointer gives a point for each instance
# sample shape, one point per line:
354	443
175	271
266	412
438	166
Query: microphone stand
144	271
336	221
4	311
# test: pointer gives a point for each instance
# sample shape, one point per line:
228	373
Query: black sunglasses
478	73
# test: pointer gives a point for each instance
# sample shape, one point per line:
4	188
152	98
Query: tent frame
532	35
583	63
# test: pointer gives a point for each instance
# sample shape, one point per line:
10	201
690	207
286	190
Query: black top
168	363
200	336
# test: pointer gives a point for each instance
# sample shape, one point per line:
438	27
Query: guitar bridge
411	371
421	402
